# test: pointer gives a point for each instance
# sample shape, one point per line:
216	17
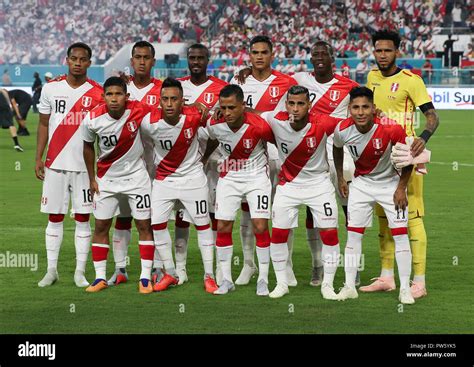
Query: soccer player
146	89
329	94
243	173
121	176
304	179
201	88
263	91
21	103
6	118
376	181
398	93
179	177
63	104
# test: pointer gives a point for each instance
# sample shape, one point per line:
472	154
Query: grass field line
451	163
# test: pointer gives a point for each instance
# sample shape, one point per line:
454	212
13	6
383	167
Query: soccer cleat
357	281
279	291
49	279
120	276
97	286
328	293
219	276
290	276
225	287
317	277
165	282
245	275
386	284
347	293
18	148
145	286
418	290
23	132
80	279
182	276
405	296
262	288
210	284
156	275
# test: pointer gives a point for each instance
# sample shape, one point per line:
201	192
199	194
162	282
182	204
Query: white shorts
133	194
193	194
212	178
275	167
362	197
229	196
60	186
319	197
348	168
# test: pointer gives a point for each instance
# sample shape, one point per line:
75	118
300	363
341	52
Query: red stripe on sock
56	218
398	231
202	228
99	253
123	223
146	251
81	217
329	237
280	235
262	239
159	226
224	239
360	230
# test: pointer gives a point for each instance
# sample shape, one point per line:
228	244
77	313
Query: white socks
224	256
99	256
247	238
291	237
181	237
82	240
162	241
403	258
263	256
147	250
206	241
121	240
315	245
330	258
54	238
352	256
279	256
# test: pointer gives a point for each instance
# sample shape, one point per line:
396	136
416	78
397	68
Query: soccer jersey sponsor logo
377	143
86	101
188	133
274	91
394	87
151	100
208	97
334	95
132	126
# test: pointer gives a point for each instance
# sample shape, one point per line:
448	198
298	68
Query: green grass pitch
63	308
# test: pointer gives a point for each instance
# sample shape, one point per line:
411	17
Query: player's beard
386	68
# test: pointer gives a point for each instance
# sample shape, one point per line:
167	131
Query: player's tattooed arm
432	123
89	155
41	141
338	154
210	147
400	198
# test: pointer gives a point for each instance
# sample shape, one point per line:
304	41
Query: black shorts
23	109
6	119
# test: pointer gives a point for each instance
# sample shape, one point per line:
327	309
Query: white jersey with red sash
149	95
67	108
206	93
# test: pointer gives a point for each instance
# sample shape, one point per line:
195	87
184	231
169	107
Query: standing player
121	176
63	104
304	179
6	118
146	89
376	181
243	174
201	88
329	94
263	91
398	93
179	177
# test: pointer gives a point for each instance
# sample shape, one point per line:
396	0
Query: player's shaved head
144	44
199	46
386	35
232	90
79	45
297	90
361	92
115	81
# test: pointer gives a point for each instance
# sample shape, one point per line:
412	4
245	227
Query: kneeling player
376	181
304	180
121	175
243	175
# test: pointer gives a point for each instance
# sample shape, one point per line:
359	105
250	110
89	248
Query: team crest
311	142
132	126
377	143
274	92
151	100
394	87
248	143
188	133
208	97
334	95
44	200
86	101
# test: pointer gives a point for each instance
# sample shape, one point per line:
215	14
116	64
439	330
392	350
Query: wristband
425	135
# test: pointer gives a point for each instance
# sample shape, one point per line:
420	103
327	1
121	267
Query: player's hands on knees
94	188
243	75
417	147
343	188
39	169
400	199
